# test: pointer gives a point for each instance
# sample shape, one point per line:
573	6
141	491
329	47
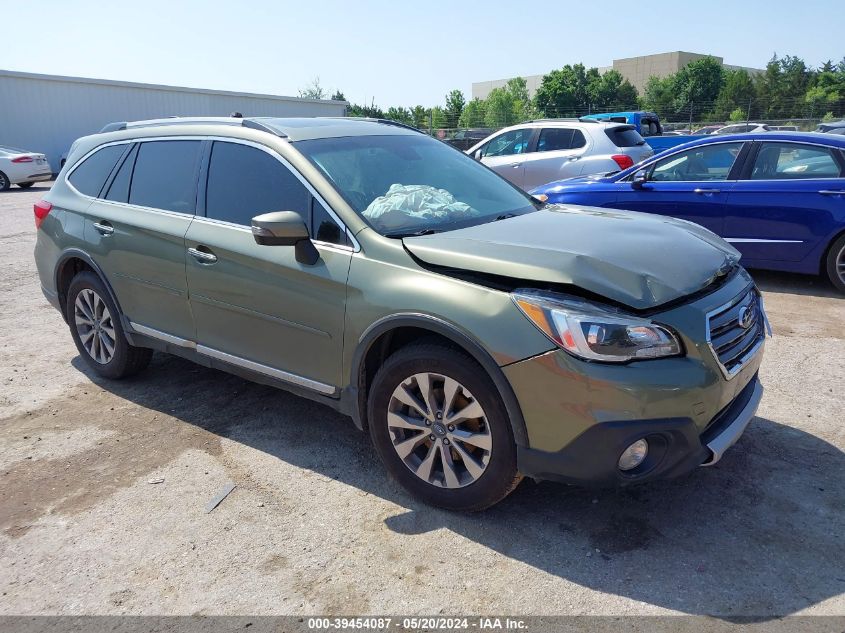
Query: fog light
634	455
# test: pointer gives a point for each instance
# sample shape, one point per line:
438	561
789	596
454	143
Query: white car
22	168
537	152
742	128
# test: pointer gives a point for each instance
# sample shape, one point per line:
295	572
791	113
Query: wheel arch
827	248
390	333
71	262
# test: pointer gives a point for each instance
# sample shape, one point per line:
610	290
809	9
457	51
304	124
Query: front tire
441	429
835	263
97	331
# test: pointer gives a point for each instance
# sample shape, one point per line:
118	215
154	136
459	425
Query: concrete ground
315	526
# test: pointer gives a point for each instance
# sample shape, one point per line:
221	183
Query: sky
393	53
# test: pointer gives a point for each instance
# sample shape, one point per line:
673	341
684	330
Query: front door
257	306
505	154
136	231
691	185
787	204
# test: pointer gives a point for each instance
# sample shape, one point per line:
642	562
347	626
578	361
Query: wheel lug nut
451	427
428	422
431	437
446	441
439	415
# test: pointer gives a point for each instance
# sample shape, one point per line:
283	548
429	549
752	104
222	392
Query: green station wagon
478	334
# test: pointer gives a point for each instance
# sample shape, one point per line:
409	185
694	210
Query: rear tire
5	183
452	448
835	263
25	185
97	331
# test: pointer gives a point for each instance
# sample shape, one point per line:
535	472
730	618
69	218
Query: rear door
691	185
505	154
787	202
257	306
135	231
554	156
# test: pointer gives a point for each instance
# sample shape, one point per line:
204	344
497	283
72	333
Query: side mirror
477	154
285	228
640	179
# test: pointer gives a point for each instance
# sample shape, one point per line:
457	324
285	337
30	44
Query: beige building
637	70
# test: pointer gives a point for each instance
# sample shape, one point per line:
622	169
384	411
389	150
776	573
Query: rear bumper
676	446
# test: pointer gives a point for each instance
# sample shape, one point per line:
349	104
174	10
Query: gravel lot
315	526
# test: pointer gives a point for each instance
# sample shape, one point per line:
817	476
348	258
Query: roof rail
234	121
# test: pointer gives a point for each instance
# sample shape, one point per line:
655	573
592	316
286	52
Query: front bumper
675	446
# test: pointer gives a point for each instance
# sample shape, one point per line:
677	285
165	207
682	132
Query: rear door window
793	161
90	176
553	139
245	181
165	175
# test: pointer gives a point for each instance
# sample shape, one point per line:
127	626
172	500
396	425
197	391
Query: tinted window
119	188
245	181
91	175
625	136
513	142
786	161
703	163
323	226
553	139
165	175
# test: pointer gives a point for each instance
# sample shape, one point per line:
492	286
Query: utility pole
690	116
748	112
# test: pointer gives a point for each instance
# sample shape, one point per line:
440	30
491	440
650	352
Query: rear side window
624	136
554	139
90	176
165	175
244	181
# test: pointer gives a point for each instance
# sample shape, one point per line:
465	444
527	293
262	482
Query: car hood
636	259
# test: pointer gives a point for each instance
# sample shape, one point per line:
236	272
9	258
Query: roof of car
293	128
807	137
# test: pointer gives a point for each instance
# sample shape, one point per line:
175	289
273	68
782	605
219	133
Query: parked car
742	128
708	129
537	152
478	335
783	128
833	127
778	197
464	139
22	168
649	126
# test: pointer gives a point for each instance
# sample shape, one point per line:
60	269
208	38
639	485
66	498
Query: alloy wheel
3	181
840	264
439	430
94	326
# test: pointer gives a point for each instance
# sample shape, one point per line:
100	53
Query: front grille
734	342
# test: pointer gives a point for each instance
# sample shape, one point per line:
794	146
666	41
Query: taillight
624	161
23	159
41	209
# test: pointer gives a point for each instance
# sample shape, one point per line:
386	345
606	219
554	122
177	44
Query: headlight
594	333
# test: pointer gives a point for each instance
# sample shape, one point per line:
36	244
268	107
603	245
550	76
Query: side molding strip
279	374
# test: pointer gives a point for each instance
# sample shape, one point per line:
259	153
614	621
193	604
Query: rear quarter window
624	136
91	174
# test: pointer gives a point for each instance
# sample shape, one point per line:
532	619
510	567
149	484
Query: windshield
412	184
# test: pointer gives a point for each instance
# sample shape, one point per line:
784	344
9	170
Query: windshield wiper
504	216
401	234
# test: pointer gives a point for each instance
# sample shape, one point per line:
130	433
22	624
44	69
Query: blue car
777	197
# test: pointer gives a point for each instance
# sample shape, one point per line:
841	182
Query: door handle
832	192
574	158
706	191
515	165
202	257
104	228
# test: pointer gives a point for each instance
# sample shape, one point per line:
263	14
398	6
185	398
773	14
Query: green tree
313	90
439	119
737	115
473	114
563	92
338	96
500	108
455	103
400	115
658	95
697	85
419	115
609	91
737	92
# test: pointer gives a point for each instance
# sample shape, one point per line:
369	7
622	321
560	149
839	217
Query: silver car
534	153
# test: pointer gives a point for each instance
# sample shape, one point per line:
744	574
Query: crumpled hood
637	259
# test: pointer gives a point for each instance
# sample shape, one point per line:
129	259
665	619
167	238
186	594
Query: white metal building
46	113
